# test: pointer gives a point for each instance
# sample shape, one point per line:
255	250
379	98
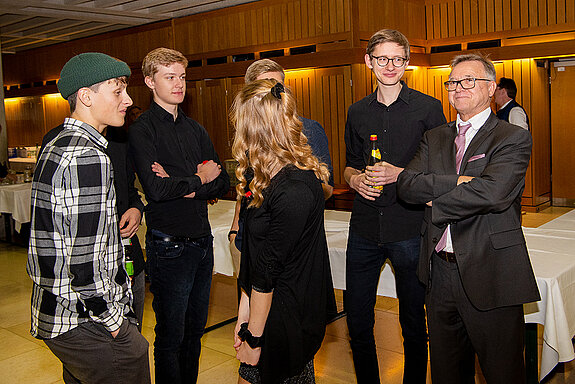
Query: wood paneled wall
563	135
46	63
408	16
469	18
263	24
29	118
533	94
326	82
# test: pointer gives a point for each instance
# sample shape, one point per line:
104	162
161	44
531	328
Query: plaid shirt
75	258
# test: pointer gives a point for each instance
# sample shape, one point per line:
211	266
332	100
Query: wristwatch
245	335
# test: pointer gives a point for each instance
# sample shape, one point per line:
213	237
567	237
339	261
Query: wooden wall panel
302	84
214	116
333	84
324	95
563	136
46	63
539	118
272	23
55	109
486	17
405	15
25	121
140	94
435	88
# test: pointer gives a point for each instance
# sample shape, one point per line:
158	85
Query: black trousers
90	355
458	331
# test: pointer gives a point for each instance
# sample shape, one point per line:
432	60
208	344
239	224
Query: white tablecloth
552	252
336	224
15	200
551	249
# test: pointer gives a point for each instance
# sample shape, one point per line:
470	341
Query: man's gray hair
487	64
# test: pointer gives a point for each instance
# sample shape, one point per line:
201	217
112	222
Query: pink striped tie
460	146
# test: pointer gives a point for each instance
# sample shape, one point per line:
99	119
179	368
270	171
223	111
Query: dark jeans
139	294
180	278
91	355
364	262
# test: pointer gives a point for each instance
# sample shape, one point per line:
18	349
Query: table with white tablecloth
551	249
15	201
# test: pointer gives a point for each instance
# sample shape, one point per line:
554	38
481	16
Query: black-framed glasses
396	61
467	83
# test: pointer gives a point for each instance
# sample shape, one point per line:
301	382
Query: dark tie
460	146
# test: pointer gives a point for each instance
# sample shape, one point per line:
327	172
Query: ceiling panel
26	24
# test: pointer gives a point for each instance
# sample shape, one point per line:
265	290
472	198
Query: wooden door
562	135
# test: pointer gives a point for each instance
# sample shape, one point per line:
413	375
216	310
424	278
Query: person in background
81	293
285	275
508	109
179	170
316	138
474	261
382	227
128	205
132	114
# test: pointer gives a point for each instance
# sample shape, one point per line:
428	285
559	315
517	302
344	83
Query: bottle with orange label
375	156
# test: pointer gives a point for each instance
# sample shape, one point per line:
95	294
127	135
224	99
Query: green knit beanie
87	69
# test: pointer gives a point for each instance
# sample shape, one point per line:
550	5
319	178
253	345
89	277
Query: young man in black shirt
179	171
382	227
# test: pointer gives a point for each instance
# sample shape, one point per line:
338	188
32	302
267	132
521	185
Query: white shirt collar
476	121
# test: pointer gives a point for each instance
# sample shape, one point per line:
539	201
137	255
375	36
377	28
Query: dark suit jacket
484	214
124	177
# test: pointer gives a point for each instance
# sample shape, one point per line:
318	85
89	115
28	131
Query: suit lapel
447	145
479	137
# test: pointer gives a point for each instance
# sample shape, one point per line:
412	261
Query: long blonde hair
268	137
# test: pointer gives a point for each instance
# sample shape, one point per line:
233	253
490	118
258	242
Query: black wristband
245	335
232	232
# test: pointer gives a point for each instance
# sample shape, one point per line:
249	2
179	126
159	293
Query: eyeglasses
396	61
467	83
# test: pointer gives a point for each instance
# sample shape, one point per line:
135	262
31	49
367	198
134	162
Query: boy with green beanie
81	292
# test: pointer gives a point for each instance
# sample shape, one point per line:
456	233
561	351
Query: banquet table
15	203
551	249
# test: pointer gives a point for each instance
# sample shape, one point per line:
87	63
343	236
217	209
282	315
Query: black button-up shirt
179	146
399	128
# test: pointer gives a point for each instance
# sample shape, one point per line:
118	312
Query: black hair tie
277	90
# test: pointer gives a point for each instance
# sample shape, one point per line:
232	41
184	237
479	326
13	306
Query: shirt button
380	213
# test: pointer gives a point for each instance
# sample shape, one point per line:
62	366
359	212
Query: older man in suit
474	261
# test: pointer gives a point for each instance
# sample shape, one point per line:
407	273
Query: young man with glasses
383	228
474	261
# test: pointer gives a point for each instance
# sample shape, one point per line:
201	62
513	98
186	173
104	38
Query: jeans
180	278
364	262
139	293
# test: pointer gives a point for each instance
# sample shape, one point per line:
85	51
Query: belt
447	256
174	239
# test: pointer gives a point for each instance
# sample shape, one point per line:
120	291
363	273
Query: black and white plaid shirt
75	258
